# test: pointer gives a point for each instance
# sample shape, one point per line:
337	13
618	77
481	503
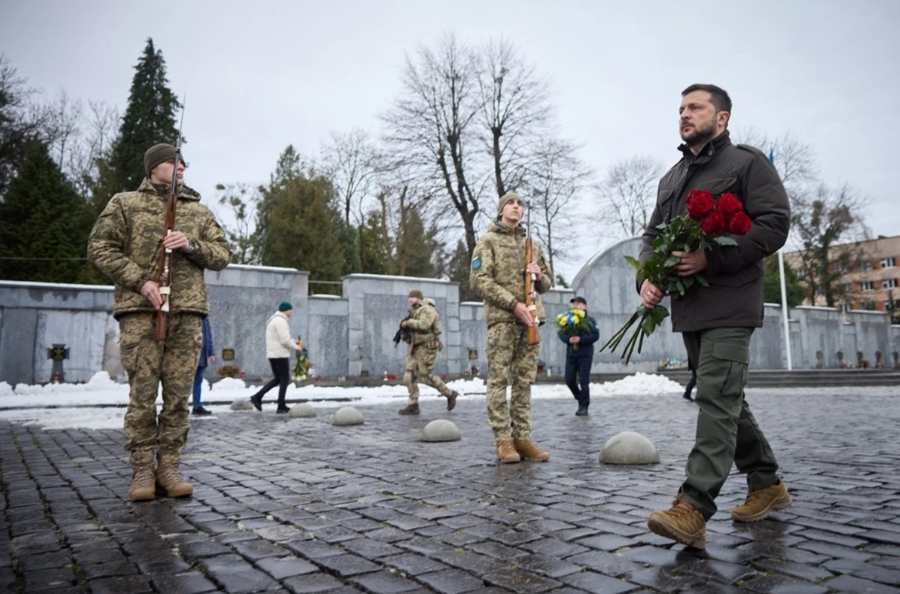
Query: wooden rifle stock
164	264
533	336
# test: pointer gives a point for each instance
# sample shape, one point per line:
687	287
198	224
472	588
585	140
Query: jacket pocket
719	185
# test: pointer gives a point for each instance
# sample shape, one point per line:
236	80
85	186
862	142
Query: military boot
683	523
528	450
506	453
169	480
143	477
410	409
451	399
761	502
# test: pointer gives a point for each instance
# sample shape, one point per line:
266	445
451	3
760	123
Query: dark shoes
283	410
687	396
409	409
582	410
256	401
451	400
200	412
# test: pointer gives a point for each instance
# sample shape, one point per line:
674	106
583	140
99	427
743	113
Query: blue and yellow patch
476	263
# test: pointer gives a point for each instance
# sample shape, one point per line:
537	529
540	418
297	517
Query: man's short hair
718	96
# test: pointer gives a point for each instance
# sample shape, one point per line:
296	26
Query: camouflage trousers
419	363
149	362
511	362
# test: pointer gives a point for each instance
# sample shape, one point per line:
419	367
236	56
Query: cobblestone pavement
296	505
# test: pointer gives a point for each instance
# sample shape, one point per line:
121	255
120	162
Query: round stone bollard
347	415
440	430
303	410
242	405
629	447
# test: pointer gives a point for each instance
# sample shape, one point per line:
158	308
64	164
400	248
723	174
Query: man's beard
699	136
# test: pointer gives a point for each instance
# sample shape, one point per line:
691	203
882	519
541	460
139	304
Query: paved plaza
297	505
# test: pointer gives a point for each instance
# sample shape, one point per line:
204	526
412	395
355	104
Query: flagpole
784	303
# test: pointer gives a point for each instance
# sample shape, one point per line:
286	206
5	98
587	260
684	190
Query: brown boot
683	523
409	409
528	450
761	502
169	479
506	453
451	399
143	477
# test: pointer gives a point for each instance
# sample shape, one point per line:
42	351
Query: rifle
164	263
530	278
403	334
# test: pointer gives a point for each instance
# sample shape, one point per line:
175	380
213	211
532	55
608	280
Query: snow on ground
112	397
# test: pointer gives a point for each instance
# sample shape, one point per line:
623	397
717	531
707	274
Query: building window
869	305
867	266
888	262
867	286
889	283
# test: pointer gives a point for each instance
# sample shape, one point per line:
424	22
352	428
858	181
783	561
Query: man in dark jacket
207	357
580	355
716	321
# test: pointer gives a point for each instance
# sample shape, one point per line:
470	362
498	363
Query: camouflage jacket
127	237
498	272
424	324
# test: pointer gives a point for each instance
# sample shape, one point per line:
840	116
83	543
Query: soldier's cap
578	299
159	153
506	199
285	306
417	294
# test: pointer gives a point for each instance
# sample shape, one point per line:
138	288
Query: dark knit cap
416	293
285	306
156	154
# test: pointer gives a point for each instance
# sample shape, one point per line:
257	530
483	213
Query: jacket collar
498	227
709	149
162	191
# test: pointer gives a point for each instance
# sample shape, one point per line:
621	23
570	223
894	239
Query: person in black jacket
580	355
717	318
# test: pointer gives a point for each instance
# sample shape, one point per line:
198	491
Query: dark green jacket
734	297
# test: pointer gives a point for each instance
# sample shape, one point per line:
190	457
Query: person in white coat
278	349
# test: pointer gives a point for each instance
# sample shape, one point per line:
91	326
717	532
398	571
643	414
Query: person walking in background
579	333
207	357
278	350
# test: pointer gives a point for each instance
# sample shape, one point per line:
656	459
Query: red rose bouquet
709	222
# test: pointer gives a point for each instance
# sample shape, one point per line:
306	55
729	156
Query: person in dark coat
207	357
717	318
580	355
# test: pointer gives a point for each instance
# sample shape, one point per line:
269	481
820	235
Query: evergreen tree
772	283
374	245
458	270
415	245
45	221
298	223
149	119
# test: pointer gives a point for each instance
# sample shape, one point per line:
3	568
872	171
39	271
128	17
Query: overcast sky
261	75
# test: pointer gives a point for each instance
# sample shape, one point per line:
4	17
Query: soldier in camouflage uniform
498	267
424	325
124	244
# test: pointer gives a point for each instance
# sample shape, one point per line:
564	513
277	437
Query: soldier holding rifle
509	272
154	244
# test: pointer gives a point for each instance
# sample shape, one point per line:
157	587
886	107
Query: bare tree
241	200
827	227
628	194
514	112
433	125
352	162
556	180
794	160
